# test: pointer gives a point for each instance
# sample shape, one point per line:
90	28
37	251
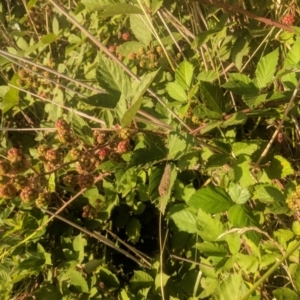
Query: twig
236	9
288	108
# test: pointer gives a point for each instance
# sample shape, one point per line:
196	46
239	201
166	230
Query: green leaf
102	100
120	9
267	194
238	194
237	118
48	291
184	74
176	92
242	171
231	288
178	144
279	168
211	199
141	279
209	228
49	38
78	245
111	77
185	220
241	48
92	265
212	249
10	97
133	229
129	47
266	69
109	279
244	148
78	281
209	76
137	99
212	96
93	5
81	129
140	27
240	216
285	294
241	84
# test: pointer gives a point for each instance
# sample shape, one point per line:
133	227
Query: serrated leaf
185	220
141	279
230	288
240	48
209	76
146	156
102	100
178	144
111	77
240	216
211	199
212	96
237	118
176	92
267	194
92	265
93	5
285	294
109	279
120	9
133	229
78	281
279	168
184	74
10	97
212	249
238	194
140	27
137	99
244	148
242	170
266	68
209	228
129	47
241	84
81	129
78	246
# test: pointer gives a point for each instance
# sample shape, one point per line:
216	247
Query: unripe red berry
288	20
42	149
125	36
103	153
124	146
15	155
61	124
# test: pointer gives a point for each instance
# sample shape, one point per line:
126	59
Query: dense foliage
149	149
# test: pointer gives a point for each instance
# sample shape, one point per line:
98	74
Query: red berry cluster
288	20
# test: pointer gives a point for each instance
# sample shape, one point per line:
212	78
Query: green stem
271	270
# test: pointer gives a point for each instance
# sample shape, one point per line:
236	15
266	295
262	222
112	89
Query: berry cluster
288	20
90	212
293	201
64	133
14	183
